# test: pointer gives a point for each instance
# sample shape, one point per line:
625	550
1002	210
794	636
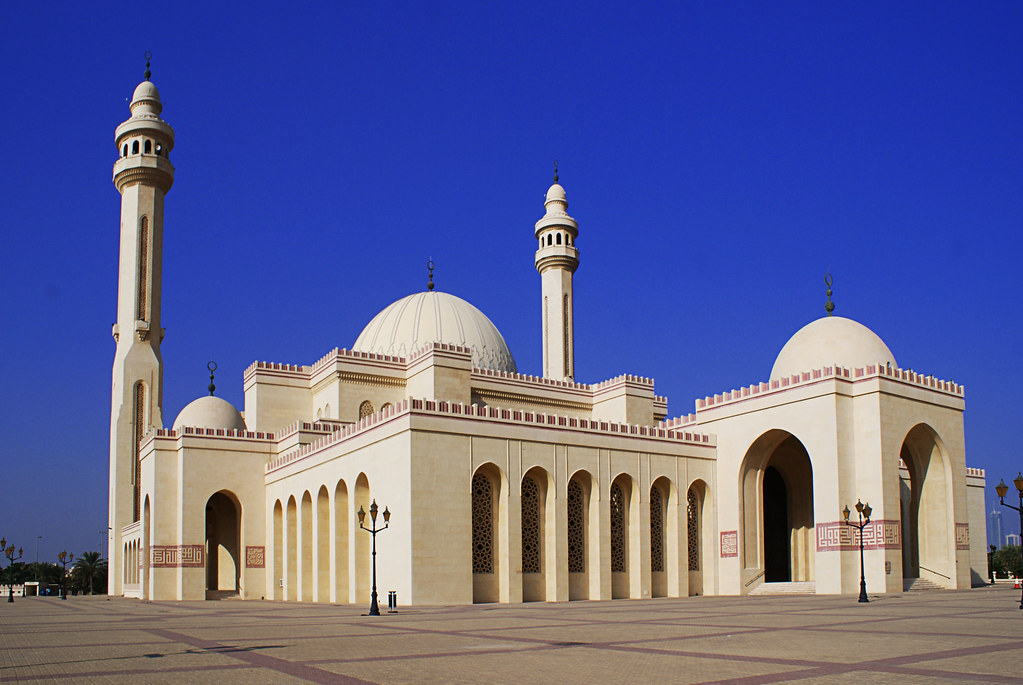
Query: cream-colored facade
506	487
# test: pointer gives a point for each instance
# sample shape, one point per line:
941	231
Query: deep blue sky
719	158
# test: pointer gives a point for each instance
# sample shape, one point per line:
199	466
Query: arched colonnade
617	540
315	553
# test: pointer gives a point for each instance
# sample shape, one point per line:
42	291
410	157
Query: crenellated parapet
903	376
441	408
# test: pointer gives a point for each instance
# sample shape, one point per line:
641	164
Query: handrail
924	568
754	579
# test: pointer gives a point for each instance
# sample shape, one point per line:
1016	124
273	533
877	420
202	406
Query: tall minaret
556	260
143	174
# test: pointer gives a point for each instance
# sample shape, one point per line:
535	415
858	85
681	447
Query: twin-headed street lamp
1002	489
373	509
863	512
9	553
65	558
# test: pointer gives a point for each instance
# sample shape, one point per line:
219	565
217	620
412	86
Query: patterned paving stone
935	637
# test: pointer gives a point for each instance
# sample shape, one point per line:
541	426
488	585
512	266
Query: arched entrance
223	536
777	500
928	545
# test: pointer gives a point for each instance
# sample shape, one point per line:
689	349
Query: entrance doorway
223	537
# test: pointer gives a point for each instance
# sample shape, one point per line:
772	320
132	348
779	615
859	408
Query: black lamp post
863	512
373	509
1002	489
65	558
9	553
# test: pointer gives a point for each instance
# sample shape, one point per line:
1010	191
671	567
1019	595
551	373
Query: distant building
994	529
1012	539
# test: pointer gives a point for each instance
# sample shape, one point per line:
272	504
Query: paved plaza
921	637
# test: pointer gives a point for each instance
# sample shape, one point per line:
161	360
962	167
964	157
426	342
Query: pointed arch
539	582
277	581
291	568
341	546
583	541
361	570
321	549
223	544
925	487
487	494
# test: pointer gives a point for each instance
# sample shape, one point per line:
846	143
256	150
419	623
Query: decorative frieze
178	556
836	536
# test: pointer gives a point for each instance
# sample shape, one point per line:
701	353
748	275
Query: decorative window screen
693	527
618	564
656	530
482	524
530	526
576	529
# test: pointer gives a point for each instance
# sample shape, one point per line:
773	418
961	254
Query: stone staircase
790	588
919	585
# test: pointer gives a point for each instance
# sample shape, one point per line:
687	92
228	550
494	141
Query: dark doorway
777	554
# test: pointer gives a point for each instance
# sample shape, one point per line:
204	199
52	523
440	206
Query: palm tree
90	566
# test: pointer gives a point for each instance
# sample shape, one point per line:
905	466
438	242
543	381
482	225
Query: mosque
507	487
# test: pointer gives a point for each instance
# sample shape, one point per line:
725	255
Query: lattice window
143	308
140	427
530	526
618	564
693	525
365	409
576	528
656	530
482	524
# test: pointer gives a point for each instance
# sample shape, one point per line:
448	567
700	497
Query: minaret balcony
557	256
147	169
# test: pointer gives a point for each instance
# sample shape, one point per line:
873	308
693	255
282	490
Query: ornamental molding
493	396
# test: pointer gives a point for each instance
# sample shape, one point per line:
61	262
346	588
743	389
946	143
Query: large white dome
422	318
828	341
210	412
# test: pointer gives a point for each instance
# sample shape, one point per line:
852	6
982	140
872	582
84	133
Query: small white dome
828	341
556	192
146	99
210	412
422	318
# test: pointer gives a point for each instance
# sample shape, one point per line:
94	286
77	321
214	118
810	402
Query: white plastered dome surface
210	412
427	317
828	341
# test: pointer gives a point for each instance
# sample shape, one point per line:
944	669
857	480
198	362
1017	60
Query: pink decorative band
178	556
836	536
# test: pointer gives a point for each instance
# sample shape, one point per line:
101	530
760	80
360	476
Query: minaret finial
148	73
830	306
555	171
212	366
429	265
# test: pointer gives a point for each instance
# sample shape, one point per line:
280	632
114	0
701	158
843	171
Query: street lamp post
9	553
863	512
38	538
65	558
1002	489
373	530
